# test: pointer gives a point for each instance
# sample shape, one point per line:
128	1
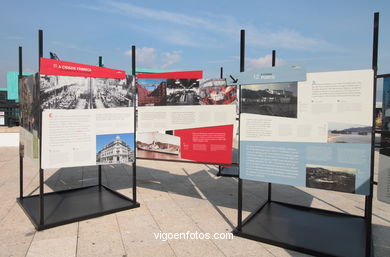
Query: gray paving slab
174	197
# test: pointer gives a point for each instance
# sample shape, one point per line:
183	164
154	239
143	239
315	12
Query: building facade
116	151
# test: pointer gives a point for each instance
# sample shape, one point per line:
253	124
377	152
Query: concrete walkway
174	197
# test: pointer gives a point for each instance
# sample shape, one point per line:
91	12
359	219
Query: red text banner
198	74
64	68
207	144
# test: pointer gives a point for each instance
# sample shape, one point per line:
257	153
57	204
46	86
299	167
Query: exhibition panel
184	118
82	115
315	133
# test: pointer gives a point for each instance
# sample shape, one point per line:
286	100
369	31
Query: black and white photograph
216	91
29	106
333	178
183	92
111	93
348	133
279	99
65	92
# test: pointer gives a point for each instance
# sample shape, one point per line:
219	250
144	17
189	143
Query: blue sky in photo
150	84
196	35
103	140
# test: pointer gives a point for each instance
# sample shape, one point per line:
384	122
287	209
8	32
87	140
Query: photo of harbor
348	133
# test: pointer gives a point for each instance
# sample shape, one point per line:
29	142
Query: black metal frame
117	201
277	237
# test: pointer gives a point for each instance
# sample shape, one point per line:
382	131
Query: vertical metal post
41	175
242	50
100	61
368	200
242	68
221	73
20	124
100	166
270	184
133	73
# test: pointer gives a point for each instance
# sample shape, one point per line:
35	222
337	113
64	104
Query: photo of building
158	142
115	148
331	178
151	92
278	99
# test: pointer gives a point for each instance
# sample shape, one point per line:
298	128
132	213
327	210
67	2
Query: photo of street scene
331	178
110	93
67	92
348	133
29	104
279	99
115	148
182	92
215	91
158	146
151	92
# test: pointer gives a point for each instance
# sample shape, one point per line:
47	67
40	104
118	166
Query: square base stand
63	207
228	171
313	231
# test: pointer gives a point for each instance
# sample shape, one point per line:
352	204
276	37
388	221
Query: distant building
9	110
116	151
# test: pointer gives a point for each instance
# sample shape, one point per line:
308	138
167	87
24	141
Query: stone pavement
174	197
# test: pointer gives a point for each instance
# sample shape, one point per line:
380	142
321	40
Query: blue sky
196	35
103	140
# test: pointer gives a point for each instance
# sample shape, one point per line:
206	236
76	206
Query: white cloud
263	62
194	30
145	57
170	58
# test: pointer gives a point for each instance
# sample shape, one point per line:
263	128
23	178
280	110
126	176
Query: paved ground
174	197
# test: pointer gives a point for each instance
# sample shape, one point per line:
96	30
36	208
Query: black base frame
228	171
72	205
305	229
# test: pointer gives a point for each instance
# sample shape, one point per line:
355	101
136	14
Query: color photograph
115	148
216	91
151	92
348	133
331	178
279	99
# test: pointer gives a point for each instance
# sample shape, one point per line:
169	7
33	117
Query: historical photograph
29	105
331	178
110	93
115	148
215	91
166	146
183	92
279	99
151	92
65	92
348	133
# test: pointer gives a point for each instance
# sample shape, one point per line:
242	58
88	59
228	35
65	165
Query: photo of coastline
348	133
331	178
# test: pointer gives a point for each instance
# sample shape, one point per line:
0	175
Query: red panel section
63	68
198	74
209	144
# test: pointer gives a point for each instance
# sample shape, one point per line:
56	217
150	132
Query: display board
384	176
184	118
313	132
29	116
87	117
